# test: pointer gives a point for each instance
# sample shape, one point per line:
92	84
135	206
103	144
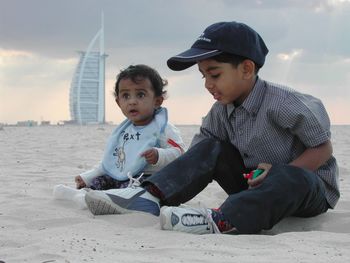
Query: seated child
142	144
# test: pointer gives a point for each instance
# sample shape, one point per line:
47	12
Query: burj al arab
87	91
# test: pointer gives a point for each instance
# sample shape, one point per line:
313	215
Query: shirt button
240	132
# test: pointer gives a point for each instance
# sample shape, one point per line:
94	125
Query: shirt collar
253	102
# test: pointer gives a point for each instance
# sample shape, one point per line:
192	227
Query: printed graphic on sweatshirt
120	153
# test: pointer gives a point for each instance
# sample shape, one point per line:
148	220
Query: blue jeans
286	191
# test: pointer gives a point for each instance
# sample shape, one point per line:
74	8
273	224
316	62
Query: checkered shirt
275	124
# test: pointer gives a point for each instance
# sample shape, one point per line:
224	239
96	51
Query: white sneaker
79	200
68	193
187	219
122	201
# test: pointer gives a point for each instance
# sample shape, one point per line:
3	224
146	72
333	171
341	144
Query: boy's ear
248	69
159	101
117	101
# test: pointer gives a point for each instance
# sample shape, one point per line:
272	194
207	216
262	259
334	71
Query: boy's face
225	82
138	101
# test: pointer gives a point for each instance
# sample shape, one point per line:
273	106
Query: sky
309	45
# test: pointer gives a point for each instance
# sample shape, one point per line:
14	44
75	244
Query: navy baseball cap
222	37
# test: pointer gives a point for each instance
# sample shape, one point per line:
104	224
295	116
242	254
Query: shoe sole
163	219
100	204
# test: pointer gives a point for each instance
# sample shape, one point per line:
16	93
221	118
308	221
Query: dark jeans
286	191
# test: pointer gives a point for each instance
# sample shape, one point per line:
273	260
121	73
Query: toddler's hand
79	182
258	180
151	156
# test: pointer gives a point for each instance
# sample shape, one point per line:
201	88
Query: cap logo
202	37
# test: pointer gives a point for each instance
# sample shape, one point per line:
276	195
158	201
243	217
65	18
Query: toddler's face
138	101
226	83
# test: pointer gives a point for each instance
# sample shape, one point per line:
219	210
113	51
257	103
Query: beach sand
34	227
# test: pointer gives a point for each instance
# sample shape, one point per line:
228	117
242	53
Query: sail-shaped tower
87	92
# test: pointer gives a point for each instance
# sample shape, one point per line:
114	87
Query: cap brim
190	57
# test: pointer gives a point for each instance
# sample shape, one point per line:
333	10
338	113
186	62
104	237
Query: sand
34	227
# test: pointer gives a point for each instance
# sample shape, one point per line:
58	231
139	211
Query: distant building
71	122
45	123
87	92
27	123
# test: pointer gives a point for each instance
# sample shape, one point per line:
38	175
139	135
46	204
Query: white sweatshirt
171	147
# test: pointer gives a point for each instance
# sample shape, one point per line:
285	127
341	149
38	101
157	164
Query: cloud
21	69
32	86
13	53
307	40
291	55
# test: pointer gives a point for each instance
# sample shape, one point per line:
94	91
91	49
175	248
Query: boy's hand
151	156
258	180
79	182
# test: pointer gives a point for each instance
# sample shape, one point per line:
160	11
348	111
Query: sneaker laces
204	218
134	182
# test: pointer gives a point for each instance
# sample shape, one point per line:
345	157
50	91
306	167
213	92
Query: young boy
145	142
142	144
253	125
